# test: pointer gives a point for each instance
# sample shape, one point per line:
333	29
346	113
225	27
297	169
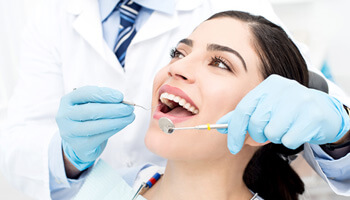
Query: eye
175	53
219	62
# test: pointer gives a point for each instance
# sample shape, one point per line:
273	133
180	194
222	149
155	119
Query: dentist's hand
86	118
283	111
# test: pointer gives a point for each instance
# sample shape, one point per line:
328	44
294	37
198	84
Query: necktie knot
128	14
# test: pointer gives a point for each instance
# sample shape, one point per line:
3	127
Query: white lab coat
64	49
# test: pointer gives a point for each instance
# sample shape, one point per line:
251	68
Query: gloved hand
283	111
86	118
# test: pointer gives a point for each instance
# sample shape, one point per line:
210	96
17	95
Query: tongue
180	112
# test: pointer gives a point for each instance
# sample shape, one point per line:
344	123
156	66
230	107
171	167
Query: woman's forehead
223	30
228	32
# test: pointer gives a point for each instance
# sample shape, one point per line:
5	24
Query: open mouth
176	106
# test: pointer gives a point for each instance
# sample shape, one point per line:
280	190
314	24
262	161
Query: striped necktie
128	13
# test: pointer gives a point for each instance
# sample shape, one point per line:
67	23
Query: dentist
79	44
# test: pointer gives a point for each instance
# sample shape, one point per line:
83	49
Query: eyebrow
217	47
186	41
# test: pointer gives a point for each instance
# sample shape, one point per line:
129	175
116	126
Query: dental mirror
166	125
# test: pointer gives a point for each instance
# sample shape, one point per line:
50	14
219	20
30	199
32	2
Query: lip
177	92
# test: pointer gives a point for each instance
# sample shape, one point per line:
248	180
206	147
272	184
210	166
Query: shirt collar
165	6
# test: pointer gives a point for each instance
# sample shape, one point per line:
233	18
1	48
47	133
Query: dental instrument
130	103
168	126
134	104
147	185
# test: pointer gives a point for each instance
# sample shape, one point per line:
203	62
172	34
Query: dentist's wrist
346	137
337	151
71	171
73	159
343	140
345	122
341	147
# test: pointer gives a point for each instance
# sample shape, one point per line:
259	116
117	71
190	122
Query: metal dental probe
130	103
134	104
168	126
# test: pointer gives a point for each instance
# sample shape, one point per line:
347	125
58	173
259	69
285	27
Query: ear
249	141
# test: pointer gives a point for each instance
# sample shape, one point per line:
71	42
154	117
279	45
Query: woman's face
210	72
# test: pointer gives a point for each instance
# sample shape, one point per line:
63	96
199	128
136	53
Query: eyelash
217	60
174	53
214	61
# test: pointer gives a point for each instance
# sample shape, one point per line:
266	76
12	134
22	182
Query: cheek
158	81
222	99
160	78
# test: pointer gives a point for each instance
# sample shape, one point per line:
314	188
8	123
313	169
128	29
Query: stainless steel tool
134	104
168	126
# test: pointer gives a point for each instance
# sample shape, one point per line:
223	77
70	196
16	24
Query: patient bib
105	183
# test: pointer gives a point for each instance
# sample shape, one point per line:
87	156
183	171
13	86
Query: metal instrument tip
166	125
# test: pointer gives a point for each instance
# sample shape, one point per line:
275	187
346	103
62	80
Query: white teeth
191	109
171	96
177	99
167	102
169	99
182	102
163	96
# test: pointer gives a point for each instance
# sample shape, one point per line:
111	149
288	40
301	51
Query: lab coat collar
168	6
76	6
88	24
159	22
165	6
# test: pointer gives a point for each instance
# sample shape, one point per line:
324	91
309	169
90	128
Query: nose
183	69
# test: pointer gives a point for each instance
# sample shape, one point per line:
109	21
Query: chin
155	140
168	146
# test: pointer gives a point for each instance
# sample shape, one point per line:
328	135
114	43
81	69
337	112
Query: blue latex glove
283	111
86	118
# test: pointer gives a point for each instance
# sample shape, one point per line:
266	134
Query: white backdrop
13	16
321	24
324	25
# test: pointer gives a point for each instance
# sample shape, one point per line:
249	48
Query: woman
210	72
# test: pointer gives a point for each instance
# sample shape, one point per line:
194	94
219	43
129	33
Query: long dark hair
268	172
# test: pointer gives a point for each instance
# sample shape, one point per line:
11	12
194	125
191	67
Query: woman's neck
218	179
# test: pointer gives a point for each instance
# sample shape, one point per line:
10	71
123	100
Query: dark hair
268	172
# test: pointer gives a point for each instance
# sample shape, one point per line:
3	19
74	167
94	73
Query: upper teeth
169	99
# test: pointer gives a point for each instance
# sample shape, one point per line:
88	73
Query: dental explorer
168	126
130	103
134	104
